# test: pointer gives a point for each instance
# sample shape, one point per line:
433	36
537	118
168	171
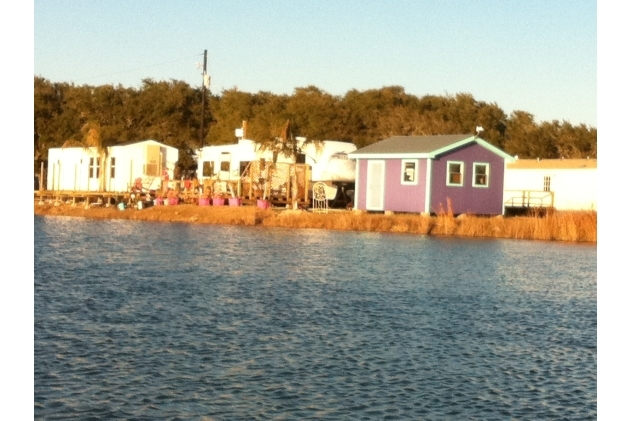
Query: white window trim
94	167
409	161
488	175
462	173
547	182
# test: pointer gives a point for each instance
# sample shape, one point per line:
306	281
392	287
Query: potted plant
263	203
159	198
173	196
218	200
233	200
204	197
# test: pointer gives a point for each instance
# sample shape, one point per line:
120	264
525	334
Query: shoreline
578	226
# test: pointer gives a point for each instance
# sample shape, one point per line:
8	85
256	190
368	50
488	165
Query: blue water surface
141	320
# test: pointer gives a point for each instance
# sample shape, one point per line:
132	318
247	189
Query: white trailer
80	169
243	166
565	184
328	161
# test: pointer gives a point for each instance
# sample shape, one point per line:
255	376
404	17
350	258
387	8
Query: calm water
139	320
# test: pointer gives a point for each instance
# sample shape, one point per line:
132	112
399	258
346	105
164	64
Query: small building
79	169
431	174
563	184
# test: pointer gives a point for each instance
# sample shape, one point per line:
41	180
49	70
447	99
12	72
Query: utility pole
205	83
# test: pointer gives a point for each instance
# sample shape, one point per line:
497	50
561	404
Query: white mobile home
79	169
568	184
328	161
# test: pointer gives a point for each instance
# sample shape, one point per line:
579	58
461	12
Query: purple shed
422	173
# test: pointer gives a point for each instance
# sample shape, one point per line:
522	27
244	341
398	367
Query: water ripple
137	320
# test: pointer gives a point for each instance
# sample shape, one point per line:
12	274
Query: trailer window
207	169
95	167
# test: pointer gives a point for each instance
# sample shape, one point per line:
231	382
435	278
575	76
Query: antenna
479	129
205	82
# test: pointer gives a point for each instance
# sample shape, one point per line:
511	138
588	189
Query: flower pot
262	204
204	201
174	200
218	201
234	201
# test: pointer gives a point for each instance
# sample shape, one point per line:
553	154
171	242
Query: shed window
225	166
409	172
546	183
455	173
113	167
480	175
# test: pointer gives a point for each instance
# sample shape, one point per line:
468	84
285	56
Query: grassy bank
558	226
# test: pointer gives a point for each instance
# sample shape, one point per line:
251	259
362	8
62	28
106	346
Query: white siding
68	168
574	189
323	167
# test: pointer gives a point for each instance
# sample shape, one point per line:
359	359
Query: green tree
230	109
170	112
528	140
314	113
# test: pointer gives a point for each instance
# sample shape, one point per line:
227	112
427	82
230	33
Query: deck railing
529	199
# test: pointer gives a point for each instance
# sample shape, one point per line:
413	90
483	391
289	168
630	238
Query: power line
144	67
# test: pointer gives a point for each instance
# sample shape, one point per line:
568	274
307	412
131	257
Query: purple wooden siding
397	197
403	197
466	198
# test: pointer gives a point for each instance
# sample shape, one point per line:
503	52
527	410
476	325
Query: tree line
170	112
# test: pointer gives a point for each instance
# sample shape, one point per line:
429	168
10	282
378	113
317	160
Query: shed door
375	185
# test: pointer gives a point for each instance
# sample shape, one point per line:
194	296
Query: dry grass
557	226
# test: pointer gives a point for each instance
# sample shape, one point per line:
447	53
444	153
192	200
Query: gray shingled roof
411	144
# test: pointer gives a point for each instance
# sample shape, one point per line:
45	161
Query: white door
375	185
94	170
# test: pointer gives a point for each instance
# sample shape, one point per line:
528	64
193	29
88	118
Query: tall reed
579	226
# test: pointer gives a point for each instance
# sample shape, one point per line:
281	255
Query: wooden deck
98	198
87	197
529	201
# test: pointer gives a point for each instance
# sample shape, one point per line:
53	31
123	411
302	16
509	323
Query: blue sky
536	56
